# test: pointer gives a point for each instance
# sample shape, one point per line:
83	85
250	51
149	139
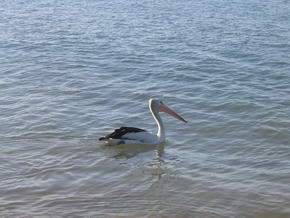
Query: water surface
71	72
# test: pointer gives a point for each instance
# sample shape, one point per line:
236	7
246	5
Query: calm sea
72	71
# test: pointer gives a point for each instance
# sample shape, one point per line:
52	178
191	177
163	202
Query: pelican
132	135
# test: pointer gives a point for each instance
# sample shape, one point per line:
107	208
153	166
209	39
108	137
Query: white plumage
132	135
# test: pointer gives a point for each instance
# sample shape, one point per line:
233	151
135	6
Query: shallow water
72	72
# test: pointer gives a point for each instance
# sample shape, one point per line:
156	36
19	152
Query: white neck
161	130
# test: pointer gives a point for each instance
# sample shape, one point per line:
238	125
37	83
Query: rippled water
71	71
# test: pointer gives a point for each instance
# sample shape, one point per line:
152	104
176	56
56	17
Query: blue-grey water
72	71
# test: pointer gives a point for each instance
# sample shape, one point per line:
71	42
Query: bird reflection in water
158	164
155	167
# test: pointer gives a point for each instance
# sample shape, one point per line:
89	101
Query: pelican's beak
167	110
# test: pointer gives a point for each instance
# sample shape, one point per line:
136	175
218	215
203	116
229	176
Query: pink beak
171	112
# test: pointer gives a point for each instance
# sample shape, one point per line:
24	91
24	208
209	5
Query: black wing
118	133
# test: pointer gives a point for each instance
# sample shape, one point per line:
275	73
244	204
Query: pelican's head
157	106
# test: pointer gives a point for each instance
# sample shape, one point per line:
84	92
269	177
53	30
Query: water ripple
71	72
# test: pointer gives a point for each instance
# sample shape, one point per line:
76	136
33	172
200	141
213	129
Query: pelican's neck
161	130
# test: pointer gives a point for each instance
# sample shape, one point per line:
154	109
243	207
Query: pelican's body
132	135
